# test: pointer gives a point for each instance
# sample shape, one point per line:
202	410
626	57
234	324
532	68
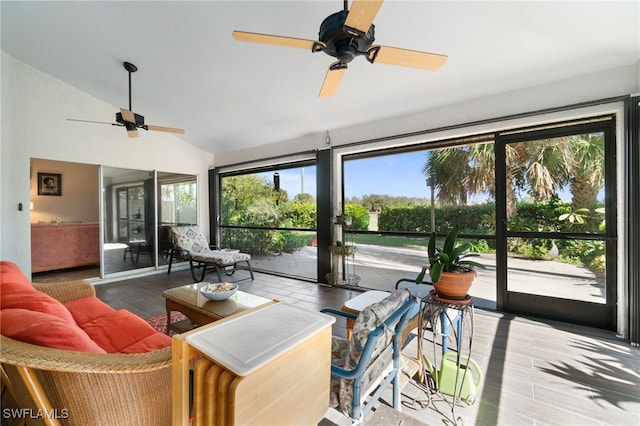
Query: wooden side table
200	310
270	366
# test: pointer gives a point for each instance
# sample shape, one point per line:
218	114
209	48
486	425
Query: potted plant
450	269
343	249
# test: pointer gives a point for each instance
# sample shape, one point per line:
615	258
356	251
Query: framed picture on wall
49	184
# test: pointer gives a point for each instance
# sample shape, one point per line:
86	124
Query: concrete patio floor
379	268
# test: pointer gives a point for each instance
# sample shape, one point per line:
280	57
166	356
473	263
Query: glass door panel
542	275
128	219
123	222
556	198
404	196
178	195
271	214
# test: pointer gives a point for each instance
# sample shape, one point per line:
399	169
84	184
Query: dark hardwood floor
143	295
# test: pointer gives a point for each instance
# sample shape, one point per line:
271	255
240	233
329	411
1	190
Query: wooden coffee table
200	310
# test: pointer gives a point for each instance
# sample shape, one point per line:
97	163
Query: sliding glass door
556	223
271	214
139	208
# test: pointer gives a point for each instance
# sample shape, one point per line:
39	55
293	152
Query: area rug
159	322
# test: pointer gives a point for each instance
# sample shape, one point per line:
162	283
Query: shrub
358	215
299	215
471	218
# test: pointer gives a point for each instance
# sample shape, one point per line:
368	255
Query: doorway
568	173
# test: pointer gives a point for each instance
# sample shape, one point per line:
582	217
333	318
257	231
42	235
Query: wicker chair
75	388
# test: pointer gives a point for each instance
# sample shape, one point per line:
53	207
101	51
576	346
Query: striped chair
363	367
191	244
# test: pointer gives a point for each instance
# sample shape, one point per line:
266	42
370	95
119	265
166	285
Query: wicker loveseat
66	387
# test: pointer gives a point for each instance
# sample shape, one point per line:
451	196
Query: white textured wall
35	107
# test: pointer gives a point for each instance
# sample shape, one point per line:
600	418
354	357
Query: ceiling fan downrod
130	68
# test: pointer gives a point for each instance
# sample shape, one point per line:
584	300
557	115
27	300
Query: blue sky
394	175
295	181
398	174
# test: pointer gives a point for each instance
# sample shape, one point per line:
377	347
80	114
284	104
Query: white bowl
214	291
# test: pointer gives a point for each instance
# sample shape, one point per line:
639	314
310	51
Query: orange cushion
150	343
87	309
9	272
47	330
15	296
116	331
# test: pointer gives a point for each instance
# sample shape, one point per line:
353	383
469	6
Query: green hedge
256	242
472	219
358	215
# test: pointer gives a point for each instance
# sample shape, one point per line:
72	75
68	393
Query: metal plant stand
447	318
344	259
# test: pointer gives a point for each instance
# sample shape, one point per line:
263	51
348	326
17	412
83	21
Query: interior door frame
567	310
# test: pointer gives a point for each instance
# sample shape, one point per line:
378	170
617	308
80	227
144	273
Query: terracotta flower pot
454	285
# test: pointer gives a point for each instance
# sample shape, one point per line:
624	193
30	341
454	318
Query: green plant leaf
431	248
468	255
458	251
421	275
436	272
445	261
451	239
472	263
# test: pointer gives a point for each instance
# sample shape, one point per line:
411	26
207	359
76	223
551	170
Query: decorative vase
454	285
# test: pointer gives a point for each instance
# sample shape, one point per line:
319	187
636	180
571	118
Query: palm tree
459	172
446	169
588	174
542	167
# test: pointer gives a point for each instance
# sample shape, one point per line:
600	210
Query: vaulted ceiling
231	95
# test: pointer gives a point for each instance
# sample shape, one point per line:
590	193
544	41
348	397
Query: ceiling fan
345	35
128	119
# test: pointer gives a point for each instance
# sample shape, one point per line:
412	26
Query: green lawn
387	240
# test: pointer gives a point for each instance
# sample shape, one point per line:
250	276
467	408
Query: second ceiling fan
128	119
345	35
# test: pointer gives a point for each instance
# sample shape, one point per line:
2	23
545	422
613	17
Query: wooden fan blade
406	58
332	79
91	121
127	116
361	16
132	133
275	40
163	129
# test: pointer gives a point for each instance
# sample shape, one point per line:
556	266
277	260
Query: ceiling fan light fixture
346	52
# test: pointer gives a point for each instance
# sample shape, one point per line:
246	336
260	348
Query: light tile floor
535	372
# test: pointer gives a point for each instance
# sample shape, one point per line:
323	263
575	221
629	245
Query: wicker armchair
74	388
